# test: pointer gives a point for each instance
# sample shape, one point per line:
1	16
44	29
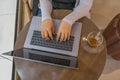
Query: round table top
90	66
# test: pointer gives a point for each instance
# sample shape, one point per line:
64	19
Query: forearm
46	9
80	11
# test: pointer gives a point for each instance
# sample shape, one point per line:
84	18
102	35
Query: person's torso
63	4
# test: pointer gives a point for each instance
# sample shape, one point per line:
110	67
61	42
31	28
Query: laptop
35	41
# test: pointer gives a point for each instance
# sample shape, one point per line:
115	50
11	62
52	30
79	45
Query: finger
65	37
58	35
50	34
46	35
62	37
68	36
53	30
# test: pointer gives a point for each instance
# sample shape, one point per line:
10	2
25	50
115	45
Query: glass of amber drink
93	42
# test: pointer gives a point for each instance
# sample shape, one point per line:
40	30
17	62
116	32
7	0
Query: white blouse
82	9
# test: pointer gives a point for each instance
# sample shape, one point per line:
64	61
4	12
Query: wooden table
90	66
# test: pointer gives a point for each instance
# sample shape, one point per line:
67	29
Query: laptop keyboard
39	41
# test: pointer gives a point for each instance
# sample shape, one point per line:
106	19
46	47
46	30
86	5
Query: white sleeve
80	11
46	9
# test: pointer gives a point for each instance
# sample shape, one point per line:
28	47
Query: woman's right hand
47	29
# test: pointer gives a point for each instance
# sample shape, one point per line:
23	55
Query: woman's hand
47	29
64	31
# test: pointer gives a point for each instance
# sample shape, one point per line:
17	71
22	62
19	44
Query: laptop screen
45	57
49	59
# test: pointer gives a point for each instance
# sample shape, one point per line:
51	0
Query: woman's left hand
64	31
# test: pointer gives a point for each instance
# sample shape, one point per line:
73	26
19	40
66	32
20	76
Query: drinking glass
93	42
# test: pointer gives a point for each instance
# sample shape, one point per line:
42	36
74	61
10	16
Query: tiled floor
103	11
5	69
111	70
7	26
7	7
